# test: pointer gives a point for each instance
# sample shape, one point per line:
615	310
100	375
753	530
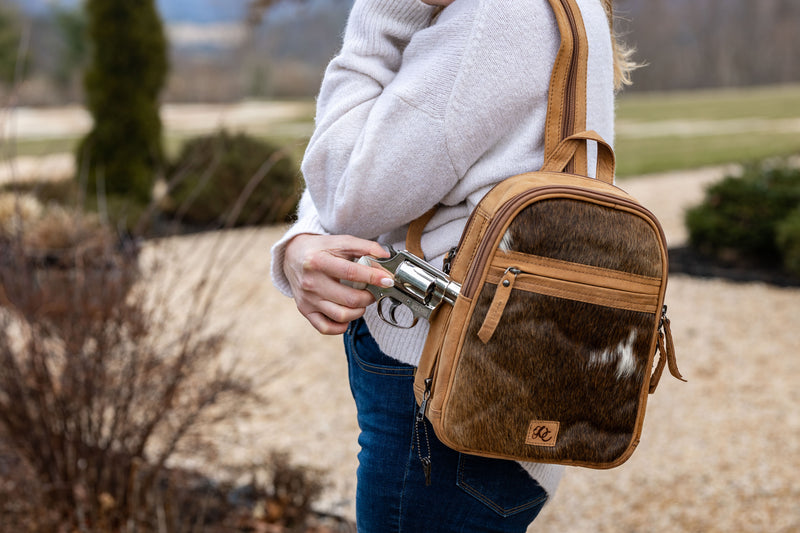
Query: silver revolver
417	284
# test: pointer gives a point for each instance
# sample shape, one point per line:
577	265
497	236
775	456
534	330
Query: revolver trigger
392	319
392	309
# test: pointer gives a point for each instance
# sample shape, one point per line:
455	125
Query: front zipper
637	293
498	223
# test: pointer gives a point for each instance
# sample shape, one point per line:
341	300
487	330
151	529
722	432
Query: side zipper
420	421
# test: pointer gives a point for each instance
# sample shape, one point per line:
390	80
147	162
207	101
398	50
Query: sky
196	11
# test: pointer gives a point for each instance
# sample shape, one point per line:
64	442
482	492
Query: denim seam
372	368
409	462
474	492
378	369
382	371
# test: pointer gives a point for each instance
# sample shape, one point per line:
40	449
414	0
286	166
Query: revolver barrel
430	289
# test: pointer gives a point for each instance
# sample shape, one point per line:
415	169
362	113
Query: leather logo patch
542	433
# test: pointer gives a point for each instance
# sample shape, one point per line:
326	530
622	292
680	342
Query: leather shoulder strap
415	229
566	102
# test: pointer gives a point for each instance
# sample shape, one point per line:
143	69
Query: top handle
561	156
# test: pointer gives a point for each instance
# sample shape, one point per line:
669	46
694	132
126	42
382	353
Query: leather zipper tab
499	302
666	350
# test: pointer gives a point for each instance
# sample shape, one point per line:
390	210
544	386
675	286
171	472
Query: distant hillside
686	44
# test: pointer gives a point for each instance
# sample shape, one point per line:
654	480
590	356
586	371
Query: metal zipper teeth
497	224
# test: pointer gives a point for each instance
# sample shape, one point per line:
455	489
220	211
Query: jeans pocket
364	351
501	485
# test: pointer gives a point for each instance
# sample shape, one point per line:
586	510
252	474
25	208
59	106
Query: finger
325	325
339	313
349	247
335	291
349	297
337	301
328	317
338	268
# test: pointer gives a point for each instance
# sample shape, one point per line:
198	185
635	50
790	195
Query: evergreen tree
127	71
10	36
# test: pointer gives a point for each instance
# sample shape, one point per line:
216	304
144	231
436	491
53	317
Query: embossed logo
542	433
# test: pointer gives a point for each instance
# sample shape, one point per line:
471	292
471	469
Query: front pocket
502	486
577	369
571	281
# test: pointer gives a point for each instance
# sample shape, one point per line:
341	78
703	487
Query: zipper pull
672	362
420	421
447	263
424	403
498	305
666	350
426	467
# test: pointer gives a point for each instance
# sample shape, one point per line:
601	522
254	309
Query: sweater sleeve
307	222
408	108
377	161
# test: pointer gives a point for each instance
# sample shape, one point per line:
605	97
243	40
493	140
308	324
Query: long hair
623	54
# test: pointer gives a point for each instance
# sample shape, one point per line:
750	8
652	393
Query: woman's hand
314	266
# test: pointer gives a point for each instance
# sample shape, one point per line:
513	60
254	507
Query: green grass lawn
779	101
722	117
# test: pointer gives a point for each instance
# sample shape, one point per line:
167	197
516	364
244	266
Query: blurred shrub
124	214
788	238
739	216
62	192
69	260
102	382
226	179
17	211
126	72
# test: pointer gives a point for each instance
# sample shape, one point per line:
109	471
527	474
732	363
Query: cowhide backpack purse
547	353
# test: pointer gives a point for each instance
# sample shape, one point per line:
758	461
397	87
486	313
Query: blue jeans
466	493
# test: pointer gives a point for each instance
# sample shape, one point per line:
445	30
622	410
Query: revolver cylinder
430	289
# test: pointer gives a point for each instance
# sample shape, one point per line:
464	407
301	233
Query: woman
421	107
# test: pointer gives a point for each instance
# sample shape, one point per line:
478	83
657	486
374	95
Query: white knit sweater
416	111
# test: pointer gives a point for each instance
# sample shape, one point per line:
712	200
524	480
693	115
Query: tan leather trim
577	272
415	230
450	352
439	321
504	287
542	433
582	70
470	239
556	101
573	146
571	290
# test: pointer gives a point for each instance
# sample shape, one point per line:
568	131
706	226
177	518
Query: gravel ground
719	453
